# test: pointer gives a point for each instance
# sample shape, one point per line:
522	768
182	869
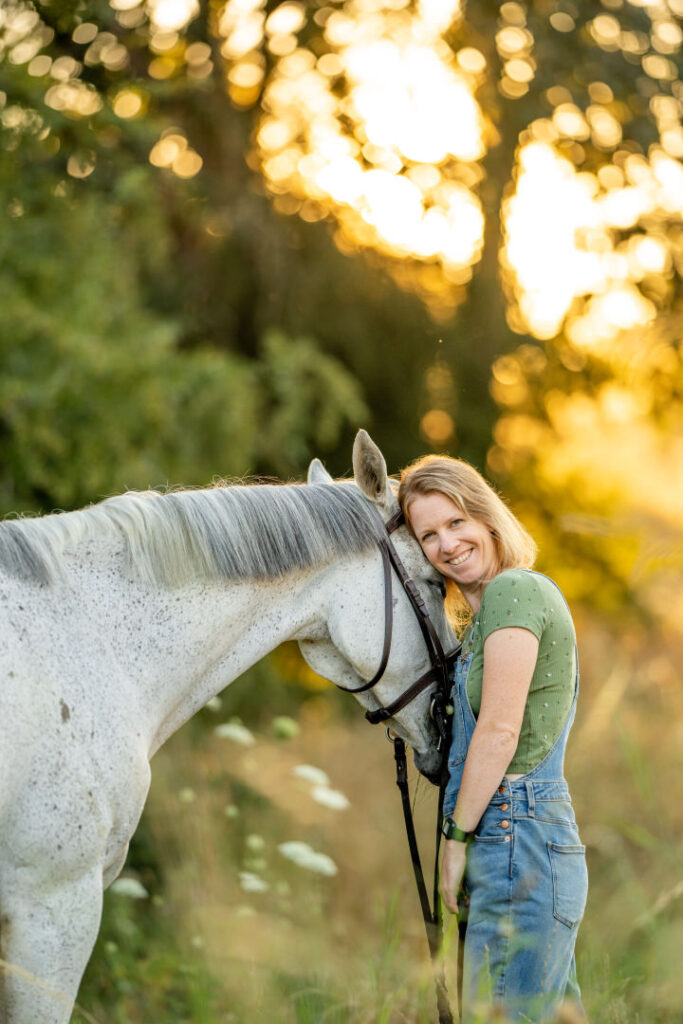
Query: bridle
441	662
440	712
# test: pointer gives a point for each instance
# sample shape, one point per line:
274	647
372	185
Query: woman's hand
452	872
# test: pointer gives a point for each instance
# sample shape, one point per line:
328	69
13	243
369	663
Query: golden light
382	157
437	426
562	22
380	128
510	40
578	234
64	68
519	70
667	36
161	68
26	50
600	92
659	67
84	33
127	103
471	60
167	149
393	92
39	66
605	129
172	15
74	98
187	164
648	255
287	18
606	31
246	75
162	42
198	53
570	122
513	13
80	165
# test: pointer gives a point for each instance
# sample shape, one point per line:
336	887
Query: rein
439	673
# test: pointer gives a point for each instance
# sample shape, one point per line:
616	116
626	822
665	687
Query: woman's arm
509	662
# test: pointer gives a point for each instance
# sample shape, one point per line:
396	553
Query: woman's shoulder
527	579
513	582
519	597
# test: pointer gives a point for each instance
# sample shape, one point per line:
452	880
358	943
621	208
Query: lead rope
431	915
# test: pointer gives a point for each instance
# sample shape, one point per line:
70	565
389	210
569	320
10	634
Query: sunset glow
563	243
358	134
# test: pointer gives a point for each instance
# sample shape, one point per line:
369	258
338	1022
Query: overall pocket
570	882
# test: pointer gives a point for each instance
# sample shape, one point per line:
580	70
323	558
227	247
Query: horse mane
253	531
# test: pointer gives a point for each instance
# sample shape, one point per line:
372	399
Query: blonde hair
457	480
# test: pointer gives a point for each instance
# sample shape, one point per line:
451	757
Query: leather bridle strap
415	597
388	618
431	917
432	675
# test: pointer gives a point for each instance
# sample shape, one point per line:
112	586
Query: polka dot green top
519	597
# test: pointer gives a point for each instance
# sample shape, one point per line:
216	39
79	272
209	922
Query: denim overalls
526	878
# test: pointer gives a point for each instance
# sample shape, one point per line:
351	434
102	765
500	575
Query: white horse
118	623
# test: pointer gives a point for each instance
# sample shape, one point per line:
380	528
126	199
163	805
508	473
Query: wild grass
233	931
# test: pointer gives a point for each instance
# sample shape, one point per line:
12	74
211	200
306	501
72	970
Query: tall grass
233	931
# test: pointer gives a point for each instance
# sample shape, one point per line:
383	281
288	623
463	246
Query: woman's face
461	549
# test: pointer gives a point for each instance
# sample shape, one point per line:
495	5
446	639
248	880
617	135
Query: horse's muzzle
429	764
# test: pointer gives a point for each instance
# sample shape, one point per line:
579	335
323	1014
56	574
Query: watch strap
451	831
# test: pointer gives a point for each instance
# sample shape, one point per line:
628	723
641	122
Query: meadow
219	920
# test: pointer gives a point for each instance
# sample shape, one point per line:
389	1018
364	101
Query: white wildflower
235	732
310	774
215	704
255	843
129	887
253	883
305	857
331	798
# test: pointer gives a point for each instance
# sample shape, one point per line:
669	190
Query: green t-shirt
519	597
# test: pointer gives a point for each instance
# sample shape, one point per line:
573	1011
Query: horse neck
215	633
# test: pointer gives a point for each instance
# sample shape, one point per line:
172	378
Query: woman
511	835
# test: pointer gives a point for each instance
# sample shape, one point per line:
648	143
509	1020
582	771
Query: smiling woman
513	850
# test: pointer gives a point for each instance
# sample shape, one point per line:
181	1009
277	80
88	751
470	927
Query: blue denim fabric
527	882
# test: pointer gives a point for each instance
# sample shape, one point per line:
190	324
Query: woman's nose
447	544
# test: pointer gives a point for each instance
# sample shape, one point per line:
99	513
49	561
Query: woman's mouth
460	559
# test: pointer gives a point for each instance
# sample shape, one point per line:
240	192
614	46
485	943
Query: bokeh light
564	241
360	129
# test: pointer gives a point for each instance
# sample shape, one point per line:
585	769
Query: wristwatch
451	831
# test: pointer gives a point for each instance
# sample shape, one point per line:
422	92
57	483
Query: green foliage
312	398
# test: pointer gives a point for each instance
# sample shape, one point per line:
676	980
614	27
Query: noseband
440	671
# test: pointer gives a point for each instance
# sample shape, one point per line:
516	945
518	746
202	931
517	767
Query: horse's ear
317	474
370	470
